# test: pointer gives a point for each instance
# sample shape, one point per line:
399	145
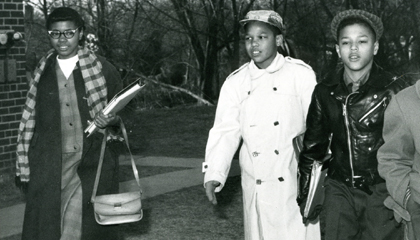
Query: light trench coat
266	108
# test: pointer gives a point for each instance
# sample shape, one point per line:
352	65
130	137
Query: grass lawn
187	214
175	132
184	214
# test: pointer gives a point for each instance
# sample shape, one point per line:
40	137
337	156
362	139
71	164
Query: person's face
356	47
66	47
261	43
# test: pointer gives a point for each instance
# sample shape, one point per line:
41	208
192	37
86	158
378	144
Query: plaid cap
267	16
371	19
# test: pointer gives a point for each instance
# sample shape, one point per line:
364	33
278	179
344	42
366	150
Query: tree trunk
211	73
103	30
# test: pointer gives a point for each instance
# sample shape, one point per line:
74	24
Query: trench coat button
276	123
249	92
274	88
67	104
205	166
255	154
276	152
281	179
375	96
258	181
65	85
71	124
370	149
332	93
347	179
74	147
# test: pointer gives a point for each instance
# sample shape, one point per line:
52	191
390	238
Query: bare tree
196	44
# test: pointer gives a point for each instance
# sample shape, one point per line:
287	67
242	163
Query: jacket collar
275	65
377	79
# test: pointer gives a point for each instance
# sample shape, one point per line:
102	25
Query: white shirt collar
67	65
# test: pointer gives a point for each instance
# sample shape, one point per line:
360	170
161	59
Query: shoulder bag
117	208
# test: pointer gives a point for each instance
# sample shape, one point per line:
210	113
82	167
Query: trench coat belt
260	181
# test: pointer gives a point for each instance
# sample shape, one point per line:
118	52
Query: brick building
13	82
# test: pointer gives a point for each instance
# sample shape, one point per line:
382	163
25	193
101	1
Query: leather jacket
355	121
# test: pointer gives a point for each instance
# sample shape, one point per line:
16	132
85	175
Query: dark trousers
351	214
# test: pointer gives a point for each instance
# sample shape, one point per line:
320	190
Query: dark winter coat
42	213
355	121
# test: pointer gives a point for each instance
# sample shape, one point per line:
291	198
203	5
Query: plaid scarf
96	91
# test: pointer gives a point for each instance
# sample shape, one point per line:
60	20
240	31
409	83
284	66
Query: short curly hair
62	14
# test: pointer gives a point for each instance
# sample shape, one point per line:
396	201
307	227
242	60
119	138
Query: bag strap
101	159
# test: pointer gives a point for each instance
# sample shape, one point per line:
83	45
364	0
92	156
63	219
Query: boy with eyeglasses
56	162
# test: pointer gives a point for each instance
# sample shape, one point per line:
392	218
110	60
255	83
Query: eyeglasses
67	33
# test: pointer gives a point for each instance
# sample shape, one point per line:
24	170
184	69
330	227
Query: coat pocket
374	115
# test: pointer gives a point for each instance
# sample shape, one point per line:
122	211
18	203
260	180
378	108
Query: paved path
11	218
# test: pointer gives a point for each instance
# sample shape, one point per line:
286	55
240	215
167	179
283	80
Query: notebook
118	102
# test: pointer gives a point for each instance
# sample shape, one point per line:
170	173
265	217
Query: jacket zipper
346	121
373	109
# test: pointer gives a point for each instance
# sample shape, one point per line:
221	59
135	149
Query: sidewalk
11	218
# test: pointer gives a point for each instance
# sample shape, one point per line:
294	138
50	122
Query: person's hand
102	121
312	215
414	209
302	204
210	191
315	213
23	186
